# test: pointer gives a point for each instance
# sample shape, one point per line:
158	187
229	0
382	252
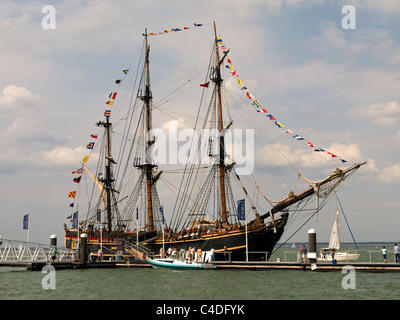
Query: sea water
162	284
138	283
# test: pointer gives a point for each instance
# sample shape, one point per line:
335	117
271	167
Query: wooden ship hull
260	238
259	241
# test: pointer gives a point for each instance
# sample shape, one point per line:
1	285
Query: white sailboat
333	252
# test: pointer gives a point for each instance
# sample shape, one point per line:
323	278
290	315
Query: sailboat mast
148	166
218	81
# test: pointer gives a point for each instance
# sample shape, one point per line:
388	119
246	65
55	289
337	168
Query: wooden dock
224	265
358	266
38	266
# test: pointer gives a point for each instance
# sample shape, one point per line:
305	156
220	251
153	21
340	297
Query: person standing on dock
193	253
54	254
303	251
190	254
396	250
384	253
99	255
199	255
225	253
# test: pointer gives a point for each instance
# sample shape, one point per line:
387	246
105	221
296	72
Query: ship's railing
375	256
24	251
135	250
252	255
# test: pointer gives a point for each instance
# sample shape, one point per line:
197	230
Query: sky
338	86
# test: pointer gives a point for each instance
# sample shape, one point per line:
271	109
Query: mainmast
218	81
148	166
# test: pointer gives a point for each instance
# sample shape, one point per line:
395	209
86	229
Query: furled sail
99	185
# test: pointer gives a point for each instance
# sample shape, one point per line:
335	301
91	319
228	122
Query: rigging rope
290	106
341	208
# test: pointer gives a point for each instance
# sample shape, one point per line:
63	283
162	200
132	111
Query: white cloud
60	156
390	174
26	131
371	165
381	114
306	158
13	97
334	41
277	6
174	126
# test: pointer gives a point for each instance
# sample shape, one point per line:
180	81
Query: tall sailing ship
124	210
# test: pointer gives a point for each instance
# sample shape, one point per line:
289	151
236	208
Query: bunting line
90	146
259	108
195	25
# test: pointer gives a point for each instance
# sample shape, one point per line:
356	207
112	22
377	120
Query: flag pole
101	232
137	231
25	225
163	226
241	215
28	230
247	245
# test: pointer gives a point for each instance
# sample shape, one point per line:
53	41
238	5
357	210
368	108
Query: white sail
334	241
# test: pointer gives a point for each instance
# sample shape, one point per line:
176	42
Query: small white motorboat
176	264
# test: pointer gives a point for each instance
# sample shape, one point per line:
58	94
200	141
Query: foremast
106	184
144	162
109	179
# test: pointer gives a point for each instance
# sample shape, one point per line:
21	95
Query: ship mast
108	179
108	174
148	166
218	81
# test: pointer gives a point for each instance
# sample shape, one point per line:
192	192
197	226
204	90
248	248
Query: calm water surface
160	284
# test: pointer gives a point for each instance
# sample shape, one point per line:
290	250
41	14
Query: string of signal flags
107	113
260	109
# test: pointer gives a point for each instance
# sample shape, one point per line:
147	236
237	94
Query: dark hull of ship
110	242
261	240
